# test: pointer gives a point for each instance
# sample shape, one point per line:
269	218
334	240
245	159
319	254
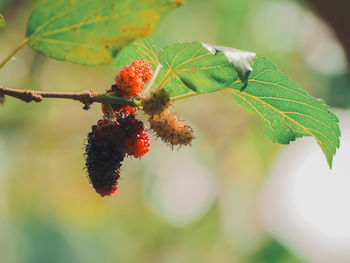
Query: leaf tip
330	157
330	161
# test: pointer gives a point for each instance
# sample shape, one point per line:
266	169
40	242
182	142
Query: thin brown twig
87	97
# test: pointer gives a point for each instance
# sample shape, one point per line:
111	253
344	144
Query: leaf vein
81	24
280	112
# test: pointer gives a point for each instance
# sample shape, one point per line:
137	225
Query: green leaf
191	67
287	111
138	50
2	21
91	32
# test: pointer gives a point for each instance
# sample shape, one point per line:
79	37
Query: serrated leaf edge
284	116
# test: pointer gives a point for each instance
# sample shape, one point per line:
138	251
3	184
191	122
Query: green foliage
2	21
191	67
188	67
92	32
287	111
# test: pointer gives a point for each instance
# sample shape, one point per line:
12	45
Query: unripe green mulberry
156	103
172	130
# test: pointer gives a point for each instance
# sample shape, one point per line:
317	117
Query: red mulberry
137	145
132	132
130	79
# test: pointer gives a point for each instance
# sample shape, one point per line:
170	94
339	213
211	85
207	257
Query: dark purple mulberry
104	156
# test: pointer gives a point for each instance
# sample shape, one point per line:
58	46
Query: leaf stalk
14	52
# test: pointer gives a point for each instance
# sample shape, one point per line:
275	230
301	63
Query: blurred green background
194	204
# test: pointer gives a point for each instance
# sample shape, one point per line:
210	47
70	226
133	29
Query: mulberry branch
87	97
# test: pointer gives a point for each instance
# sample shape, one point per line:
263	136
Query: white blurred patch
276	25
322	51
285	26
305	205
178	185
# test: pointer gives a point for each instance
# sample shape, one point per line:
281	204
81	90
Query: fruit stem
22	44
109	109
110	98
185	96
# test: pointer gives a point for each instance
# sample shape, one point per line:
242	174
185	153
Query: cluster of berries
108	143
119	135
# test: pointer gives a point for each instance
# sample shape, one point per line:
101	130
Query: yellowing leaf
91	32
